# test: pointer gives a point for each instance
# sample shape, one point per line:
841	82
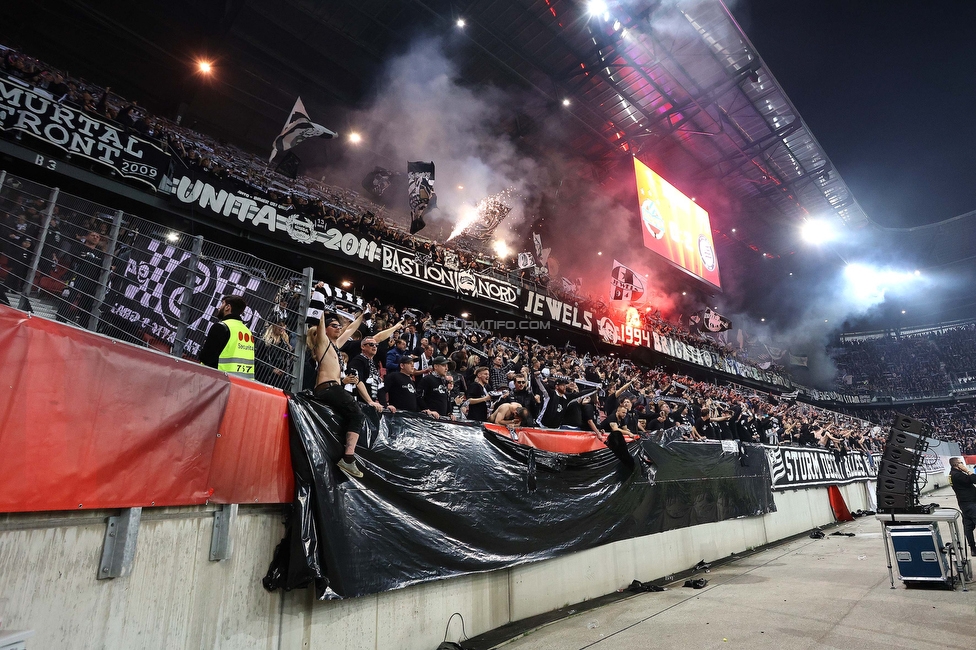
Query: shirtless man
324	340
510	414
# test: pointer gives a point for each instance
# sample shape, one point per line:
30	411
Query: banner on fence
800	467
147	293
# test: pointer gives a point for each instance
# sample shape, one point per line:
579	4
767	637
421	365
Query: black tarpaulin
442	499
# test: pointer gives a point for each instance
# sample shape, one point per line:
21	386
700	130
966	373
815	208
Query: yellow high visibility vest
237	357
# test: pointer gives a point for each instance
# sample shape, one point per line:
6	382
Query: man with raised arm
324	340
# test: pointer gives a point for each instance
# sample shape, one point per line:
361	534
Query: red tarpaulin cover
561	441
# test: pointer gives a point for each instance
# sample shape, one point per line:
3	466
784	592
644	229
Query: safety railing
67	258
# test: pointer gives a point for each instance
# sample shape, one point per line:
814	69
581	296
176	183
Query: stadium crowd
927	364
953	421
509	380
443	368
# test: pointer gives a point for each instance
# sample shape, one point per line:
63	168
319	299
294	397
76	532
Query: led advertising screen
675	227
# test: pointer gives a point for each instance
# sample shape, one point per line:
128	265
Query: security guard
230	345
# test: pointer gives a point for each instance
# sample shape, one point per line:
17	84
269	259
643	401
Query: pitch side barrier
521	526
90	422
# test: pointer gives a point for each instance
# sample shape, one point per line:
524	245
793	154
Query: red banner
89	422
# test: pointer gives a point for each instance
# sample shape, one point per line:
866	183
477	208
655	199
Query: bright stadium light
355	138
173	237
869	283
566	101
460	23
597	7
204	66
817	232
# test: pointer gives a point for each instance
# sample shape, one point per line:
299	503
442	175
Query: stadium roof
654	74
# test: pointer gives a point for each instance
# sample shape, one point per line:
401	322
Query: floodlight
817	232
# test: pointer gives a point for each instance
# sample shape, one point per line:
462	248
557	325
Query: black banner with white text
800	467
75	132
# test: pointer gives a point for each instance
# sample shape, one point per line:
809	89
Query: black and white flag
541	254
626	284
420	189
378	181
451	261
297	129
715	322
525	260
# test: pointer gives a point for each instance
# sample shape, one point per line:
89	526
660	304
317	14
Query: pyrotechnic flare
480	223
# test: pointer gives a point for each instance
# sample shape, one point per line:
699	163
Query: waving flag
378	181
297	129
420	188
626	285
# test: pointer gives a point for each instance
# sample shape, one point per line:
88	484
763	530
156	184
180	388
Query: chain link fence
69	259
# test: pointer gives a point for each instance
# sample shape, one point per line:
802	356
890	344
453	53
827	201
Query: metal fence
69	259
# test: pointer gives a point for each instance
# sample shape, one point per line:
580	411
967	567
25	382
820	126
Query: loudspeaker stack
899	469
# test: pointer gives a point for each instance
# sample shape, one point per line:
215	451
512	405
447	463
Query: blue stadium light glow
869	284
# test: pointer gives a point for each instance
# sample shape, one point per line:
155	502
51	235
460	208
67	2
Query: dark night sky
888	88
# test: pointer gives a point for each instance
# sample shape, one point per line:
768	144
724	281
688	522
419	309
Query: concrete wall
176	598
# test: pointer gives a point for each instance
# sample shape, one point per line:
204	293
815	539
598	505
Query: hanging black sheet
442	499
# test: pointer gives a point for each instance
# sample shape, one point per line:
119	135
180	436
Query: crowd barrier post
95	317
24	304
188	286
298	373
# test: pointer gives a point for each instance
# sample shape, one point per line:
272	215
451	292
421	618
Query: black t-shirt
605	425
553	417
656	424
477	412
352	347
587	413
368	373
433	394
88	262
401	392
